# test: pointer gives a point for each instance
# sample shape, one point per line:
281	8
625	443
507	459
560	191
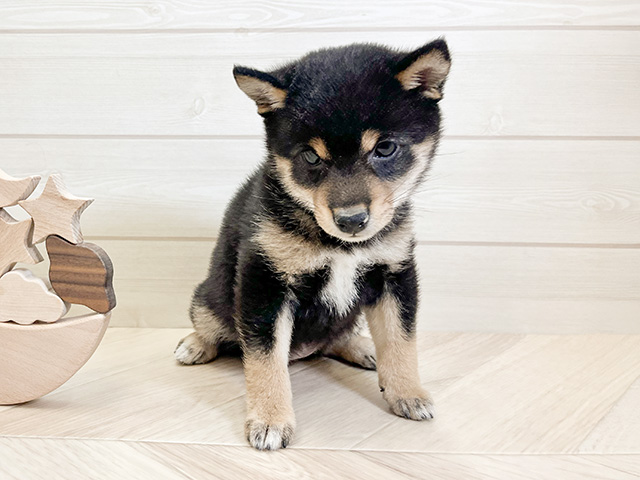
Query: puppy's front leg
392	325
266	322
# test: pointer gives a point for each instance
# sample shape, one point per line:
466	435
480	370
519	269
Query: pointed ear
260	87
426	69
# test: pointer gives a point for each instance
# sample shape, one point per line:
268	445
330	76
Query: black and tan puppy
319	239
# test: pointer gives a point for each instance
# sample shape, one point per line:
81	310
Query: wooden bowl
36	359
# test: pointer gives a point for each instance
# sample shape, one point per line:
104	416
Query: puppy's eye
310	157
385	149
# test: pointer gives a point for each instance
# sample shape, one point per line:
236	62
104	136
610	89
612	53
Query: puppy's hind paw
357	350
191	351
264	436
413	408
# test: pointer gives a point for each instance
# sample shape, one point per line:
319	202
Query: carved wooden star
12	190
14	243
56	212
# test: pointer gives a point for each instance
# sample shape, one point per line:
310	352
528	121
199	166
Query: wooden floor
509	407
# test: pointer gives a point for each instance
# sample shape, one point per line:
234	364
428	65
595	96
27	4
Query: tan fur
369	140
289	253
192	350
385	196
320	148
432	66
397	361
381	208
380	211
270	416
266	96
303	195
323	214
201	346
208	326
293	255
356	349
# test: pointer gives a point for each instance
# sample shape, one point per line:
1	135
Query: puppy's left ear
261	87
426	69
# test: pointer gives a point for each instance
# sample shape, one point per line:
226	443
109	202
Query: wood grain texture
501	84
527	191
25	299
56	211
81	274
37	359
137	394
249	14
490	391
545	395
516	467
136	103
15	239
61	458
64	459
479	288
201	461
12	189
618	431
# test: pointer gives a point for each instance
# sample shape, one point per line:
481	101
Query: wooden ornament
56	212
14	242
25	299
37	359
12	190
81	274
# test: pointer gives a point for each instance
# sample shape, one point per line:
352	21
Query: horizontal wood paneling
356	14
480	190
533	205
551	83
513	289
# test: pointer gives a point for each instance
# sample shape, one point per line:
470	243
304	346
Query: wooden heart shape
81	274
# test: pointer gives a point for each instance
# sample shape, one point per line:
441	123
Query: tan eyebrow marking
320	148
369	140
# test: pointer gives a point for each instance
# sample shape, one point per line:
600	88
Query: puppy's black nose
351	220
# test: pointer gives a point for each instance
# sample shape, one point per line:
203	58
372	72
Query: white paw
419	408
192	351
264	436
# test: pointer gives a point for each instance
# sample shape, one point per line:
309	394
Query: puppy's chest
329	300
335	289
341	290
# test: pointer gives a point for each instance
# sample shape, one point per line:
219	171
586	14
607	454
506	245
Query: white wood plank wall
530	222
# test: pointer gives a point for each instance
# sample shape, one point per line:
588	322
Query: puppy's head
351	131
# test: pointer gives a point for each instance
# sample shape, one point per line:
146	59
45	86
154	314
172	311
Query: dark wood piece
81	274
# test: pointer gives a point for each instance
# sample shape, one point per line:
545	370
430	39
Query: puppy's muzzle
351	219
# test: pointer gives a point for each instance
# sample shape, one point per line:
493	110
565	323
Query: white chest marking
341	291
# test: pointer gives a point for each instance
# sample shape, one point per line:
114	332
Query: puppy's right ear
426	69
268	93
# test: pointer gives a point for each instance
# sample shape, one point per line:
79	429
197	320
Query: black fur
334	94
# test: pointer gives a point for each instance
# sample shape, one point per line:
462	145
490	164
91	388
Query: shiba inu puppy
318	242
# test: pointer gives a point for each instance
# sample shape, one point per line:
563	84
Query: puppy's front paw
415	406
268	436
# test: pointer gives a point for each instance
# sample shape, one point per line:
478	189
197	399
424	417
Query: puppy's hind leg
193	351
353	348
201	346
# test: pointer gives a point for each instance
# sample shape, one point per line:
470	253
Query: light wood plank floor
509	407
